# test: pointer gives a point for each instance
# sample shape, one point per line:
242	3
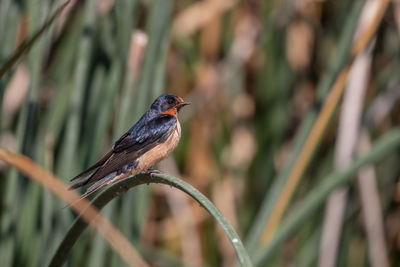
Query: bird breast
161	151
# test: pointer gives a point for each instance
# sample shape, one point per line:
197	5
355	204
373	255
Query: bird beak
183	104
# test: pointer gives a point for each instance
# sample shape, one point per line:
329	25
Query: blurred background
258	73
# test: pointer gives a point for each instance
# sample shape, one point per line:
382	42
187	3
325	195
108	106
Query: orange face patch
171	111
179	99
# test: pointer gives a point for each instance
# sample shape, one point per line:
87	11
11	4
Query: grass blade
89	213
115	190
317	196
28	43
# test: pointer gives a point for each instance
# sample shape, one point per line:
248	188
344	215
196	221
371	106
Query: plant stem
145	178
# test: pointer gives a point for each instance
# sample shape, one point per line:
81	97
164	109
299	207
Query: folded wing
142	137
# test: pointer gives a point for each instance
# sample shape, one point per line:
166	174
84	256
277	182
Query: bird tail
99	184
80	183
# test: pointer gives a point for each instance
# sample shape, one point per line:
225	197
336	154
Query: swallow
152	138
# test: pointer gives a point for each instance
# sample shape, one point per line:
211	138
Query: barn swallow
151	139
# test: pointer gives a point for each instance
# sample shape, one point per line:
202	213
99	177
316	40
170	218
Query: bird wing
142	137
96	165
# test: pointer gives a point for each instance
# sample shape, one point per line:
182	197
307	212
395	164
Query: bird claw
152	172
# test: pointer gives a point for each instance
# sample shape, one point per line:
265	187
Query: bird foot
152	172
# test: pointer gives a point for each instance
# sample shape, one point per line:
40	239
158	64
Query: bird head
168	104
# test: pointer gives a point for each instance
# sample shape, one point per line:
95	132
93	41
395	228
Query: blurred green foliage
257	73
